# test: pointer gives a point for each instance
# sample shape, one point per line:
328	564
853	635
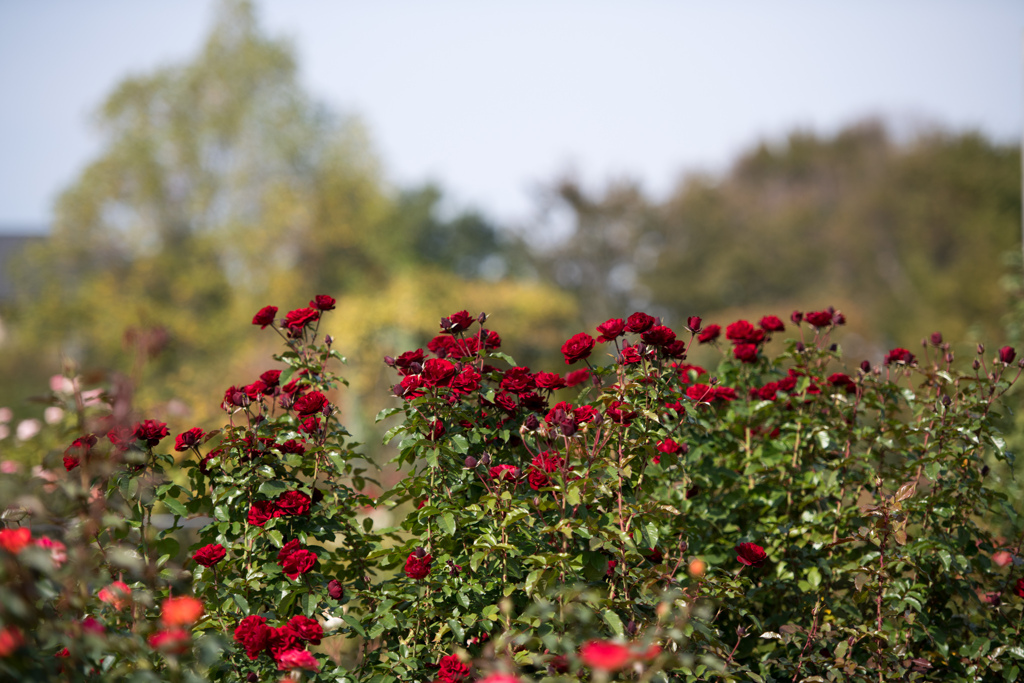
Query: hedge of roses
635	516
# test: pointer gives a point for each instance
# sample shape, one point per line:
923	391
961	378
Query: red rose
457	322
668	446
322	302
639	323
281	640
271	378
306	629
298	319
299	562
742	331
293	447
693	323
709	334
253	634
745	352
504	472
576	377
630	354
261	512
899	355
1007	354
796	317
549	380
181	611
335	589
606	656
452	670
659	335
619	413
610	329
1019	588
819	318
577	347
751	554
770	323
310	404
842	381
173	640
209	555
438	372
79	448
468	380
265	316
701	393
292	503
725	394
518	380
150	431
542	465
187	440
418	567
296	659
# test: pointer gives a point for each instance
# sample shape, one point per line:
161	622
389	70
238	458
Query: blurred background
166	169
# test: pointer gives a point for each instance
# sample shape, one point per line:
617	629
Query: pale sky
493	99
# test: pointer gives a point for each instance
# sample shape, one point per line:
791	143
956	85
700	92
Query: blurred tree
221	187
906	238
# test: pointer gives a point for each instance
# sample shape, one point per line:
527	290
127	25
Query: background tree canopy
223	186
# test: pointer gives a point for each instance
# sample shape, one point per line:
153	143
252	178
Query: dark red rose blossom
438	372
271	378
253	634
725	394
255	390
306	629
121	437
899	355
577	347
261	512
630	354
543	464
619	413
693	323
467	381
797	317
189	439
549	380
688	372
518	380
586	413
282	639
452	670
742	331
668	445
819	318
209	555
676	349
1007	354
659	335
335	589
709	334
410	387
1019	588
150	431
265	316
292	503
310	404
323	302
292	447
612	564
765	393
311	425
490	339
576	377
299	562
639	323
751	554
842	381
702	393
610	329
504	472
80	448
418	567
436	429
745	352
771	323
300	318
442	345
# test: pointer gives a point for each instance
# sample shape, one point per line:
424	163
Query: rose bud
796	317
947	401
936	338
800	348
532	422
949	357
485	459
389	361
834	347
328	340
1007	354
693	323
482	318
470	462
420	553
838	318
975	364
981	349
865	366
335	589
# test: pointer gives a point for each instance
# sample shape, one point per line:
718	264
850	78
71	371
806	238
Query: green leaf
459	444
272	489
447	522
614	622
174	506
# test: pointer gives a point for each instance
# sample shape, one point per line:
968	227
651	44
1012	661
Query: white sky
492	99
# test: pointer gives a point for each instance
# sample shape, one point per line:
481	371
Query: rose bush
777	517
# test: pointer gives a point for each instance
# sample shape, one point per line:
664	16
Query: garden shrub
777	517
